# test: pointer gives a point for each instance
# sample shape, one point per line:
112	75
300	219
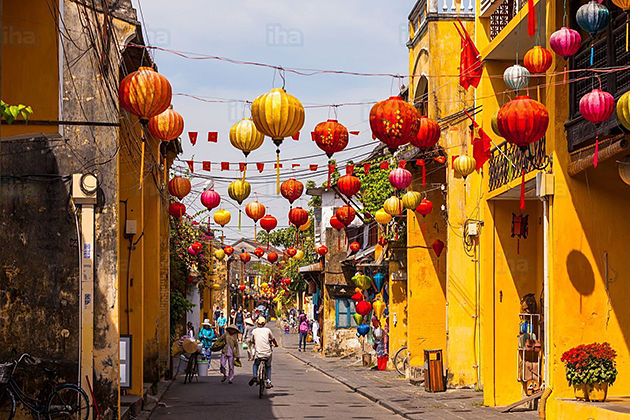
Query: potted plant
590	369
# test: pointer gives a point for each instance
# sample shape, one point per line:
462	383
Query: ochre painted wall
398	324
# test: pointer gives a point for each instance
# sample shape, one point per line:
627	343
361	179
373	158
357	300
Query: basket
6	370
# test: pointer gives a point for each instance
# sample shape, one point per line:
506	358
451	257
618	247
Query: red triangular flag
470	67
295	165
384	164
313	167
420	162
313	135
296	136
402	164
192	135
242	166
260	166
354	133
349	169
191	165
481	149
225	166
213	136
206	165
366	168
275	166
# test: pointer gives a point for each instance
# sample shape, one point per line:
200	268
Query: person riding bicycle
262	338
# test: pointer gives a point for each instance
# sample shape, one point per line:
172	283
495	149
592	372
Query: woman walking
229	353
206	336
247	337
303	330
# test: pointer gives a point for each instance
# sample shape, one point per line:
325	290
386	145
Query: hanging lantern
494	123
382	217
349	185
298	216
219	254
516	77
593	17
245	257
216	286
272	257
537	60
565	42
242	287
179	187
197	246
425	207
305	226
362	281
229	250
625	6
167	125
428	134
259	252
331	137
411	200
299	255
394	122
210	199
437	246
523	121
191	250
335	223
268	223
358	318
597	106
177	210
392	206
255	211
355	246
400	178
278	115
623	110
291	189
364	308
239	190
144	93
222	217
379	280
345	214
363	329
358	296
322	250
245	137
291	251
464	165
379	308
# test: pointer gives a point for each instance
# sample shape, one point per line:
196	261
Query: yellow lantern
264	284
239	190
392	205
379	308
495	124
623	110
299	255
305	226
222	217
216	286
464	165
382	217
278	115
411	199
245	137
219	254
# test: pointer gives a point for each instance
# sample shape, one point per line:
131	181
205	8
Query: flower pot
581	394
597	391
203	367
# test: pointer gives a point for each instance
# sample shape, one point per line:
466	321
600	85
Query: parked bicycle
55	401
401	361
192	368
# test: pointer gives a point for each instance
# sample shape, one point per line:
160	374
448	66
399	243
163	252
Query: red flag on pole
295	165
260	166
206	165
275	166
470	67
213	136
191	165
225	166
192	135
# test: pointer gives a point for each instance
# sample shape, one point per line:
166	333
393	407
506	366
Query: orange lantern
330	136
537	60
394	121
428	134
345	214
259	252
291	189
245	257
176	209
255	210
179	187
298	216
167	126
349	185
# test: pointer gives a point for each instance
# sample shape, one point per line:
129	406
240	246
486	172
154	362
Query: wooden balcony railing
506	163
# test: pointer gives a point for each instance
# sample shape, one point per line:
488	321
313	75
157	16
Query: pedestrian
239	320
229	353
190	330
217	313
316	333
232	313
247	338
206	336
221	323
303	331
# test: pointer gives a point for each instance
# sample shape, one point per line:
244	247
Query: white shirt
262	338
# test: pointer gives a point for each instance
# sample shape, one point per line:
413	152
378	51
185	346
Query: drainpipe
546	323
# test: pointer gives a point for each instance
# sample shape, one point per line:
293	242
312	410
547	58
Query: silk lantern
379	308
363	329
358	318
623	167
291	251
331	137
438	247
222	217
494	124
394	122
363	308
392	205
272	257
239	190
298	216
259	252
424	208
242	287
345	214
268	223
219	254
597	106
625	6
176	209
179	187
623	110
197	247
464	165
229	250
166	126
291	189
245	137
305	226
537	61
349	185
192	250
255	211
379	280
358	296
565	42
245	257
362	281
593	18
428	133
516	77
382	217
210	199
400	178
335	223
355	246
278	115
299	255
322	250
411	200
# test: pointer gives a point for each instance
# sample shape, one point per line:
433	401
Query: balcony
506	163
425	11
502	14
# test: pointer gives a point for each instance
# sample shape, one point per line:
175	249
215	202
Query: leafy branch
10	113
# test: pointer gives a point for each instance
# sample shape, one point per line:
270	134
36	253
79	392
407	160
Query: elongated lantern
428	134
239	190
349	185
331	137
291	189
379	281
516	77
177	210
278	115
245	137
394	122
593	17
179	187
210	199
597	106
400	178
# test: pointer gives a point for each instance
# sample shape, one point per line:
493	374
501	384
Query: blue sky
353	35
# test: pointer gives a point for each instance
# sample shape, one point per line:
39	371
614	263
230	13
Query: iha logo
15	36
277	35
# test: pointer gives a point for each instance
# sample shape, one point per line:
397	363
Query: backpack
304	327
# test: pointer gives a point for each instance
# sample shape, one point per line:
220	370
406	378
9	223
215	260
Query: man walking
239	320
221	323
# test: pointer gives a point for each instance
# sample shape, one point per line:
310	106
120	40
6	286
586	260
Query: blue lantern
379	279
593	18
363	329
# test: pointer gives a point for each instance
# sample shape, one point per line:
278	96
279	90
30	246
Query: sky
351	35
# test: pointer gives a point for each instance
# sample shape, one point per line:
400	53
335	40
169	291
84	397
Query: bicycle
401	363
262	376
56	401
192	368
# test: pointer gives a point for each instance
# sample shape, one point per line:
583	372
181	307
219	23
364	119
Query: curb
358	390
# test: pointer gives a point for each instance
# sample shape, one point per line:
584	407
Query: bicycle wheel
68	402
7	404
401	360
262	379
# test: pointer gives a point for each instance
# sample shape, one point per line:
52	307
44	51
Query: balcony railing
503	14
506	163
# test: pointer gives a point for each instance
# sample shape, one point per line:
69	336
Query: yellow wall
398	322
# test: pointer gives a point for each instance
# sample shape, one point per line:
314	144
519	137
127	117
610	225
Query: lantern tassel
424	174
239	219
531	18
277	171
595	158
523	189
627	31
592	53
538	92
255	232
564	74
140	181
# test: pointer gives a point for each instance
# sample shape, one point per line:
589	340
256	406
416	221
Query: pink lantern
597	106
565	42
400	178
210	199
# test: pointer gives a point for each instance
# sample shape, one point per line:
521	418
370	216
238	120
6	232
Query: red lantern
272	257
255	210
537	60
425	207
382	241
245	257
523	121
394	122
335	223
291	189
322	250
428	134
298	216
197	247
363	307
268	223
349	185
210	199
345	214
191	250
241	287
167	126
330	136
144	93
357	297
286	281
355	246
259	252
179	187
437	246
228	250
177	209
291	251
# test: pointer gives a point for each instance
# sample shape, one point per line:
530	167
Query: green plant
379	190
179	307
590	363
10	113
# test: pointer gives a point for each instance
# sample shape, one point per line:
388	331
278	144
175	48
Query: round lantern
167	126
222	217
291	251
219	254
216	286
335	223
597	106
523	121
229	250
394	122
245	257
242	287
464	165
516	77
355	246
177	209
348	185
144	93
239	190
592	17
494	123
425	207
382	217
255	211
411	200
624	169
272	257
305	226
259	252
298	216
623	110
197	247
322	250
268	223
565	42
392	205
358	296
210	199
364	308
379	280
537	60
192	250
245	137
362	281
299	255
331	137
400	178
428	134
291	189
179	187
345	214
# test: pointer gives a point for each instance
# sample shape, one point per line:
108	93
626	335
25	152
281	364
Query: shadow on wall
581	274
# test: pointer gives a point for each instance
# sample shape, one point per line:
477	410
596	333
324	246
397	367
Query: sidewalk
397	394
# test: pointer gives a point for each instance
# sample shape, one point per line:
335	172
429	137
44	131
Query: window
344	308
